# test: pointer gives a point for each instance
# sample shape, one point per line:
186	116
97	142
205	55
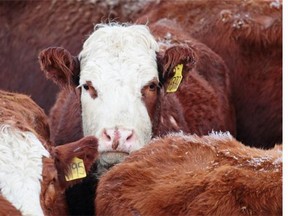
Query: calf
122	77
32	171
248	36
192	175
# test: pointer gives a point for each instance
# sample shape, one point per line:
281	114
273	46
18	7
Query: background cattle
32	171
30	26
192	175
248	36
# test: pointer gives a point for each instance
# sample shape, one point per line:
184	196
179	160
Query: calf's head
58	166
119	73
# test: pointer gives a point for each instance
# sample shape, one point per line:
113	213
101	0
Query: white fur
21	169
119	61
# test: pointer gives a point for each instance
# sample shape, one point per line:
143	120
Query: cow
30	26
192	175
32	171
248	36
116	90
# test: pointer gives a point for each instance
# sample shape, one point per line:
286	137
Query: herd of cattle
175	109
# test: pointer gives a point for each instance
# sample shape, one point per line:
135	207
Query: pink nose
118	136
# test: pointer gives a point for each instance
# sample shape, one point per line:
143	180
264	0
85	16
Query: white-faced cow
119	98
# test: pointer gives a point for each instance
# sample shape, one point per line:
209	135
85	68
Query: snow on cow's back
117	63
21	155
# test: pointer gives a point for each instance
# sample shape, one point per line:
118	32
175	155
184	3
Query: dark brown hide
204	92
248	36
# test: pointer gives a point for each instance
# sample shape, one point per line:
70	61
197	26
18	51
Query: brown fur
66	109
55	169
248	36
21	112
194	175
7	208
204	93
30	26
54	59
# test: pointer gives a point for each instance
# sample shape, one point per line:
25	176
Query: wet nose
114	137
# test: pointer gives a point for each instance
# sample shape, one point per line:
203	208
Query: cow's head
57	167
119	72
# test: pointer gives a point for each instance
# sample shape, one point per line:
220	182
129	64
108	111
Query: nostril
106	135
127	135
130	136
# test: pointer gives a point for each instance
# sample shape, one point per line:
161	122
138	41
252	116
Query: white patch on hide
119	61
221	136
21	169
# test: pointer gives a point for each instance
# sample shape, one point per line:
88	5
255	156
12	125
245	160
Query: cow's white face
118	66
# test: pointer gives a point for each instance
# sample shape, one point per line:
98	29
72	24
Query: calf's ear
85	149
177	60
60	66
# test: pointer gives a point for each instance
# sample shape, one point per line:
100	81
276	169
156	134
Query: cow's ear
174	65
60	66
86	153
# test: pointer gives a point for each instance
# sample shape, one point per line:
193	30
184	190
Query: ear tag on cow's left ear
176	79
77	170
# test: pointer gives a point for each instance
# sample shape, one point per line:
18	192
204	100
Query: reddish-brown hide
6	208
191	175
248	36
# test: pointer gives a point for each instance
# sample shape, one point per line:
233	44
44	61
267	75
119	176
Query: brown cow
119	98
248	36
192	175
30	26
32	171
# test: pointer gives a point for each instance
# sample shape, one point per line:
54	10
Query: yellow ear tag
77	170
176	79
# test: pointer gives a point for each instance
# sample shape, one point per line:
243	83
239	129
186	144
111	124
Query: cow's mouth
112	157
107	160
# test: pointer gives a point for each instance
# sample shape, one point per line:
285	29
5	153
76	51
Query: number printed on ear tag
176	79
77	169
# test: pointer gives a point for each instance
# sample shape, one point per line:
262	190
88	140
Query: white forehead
119	53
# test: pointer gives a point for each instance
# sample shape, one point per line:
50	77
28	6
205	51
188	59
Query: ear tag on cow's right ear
77	170
176	79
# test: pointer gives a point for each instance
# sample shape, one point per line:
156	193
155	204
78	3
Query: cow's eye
85	86
152	87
